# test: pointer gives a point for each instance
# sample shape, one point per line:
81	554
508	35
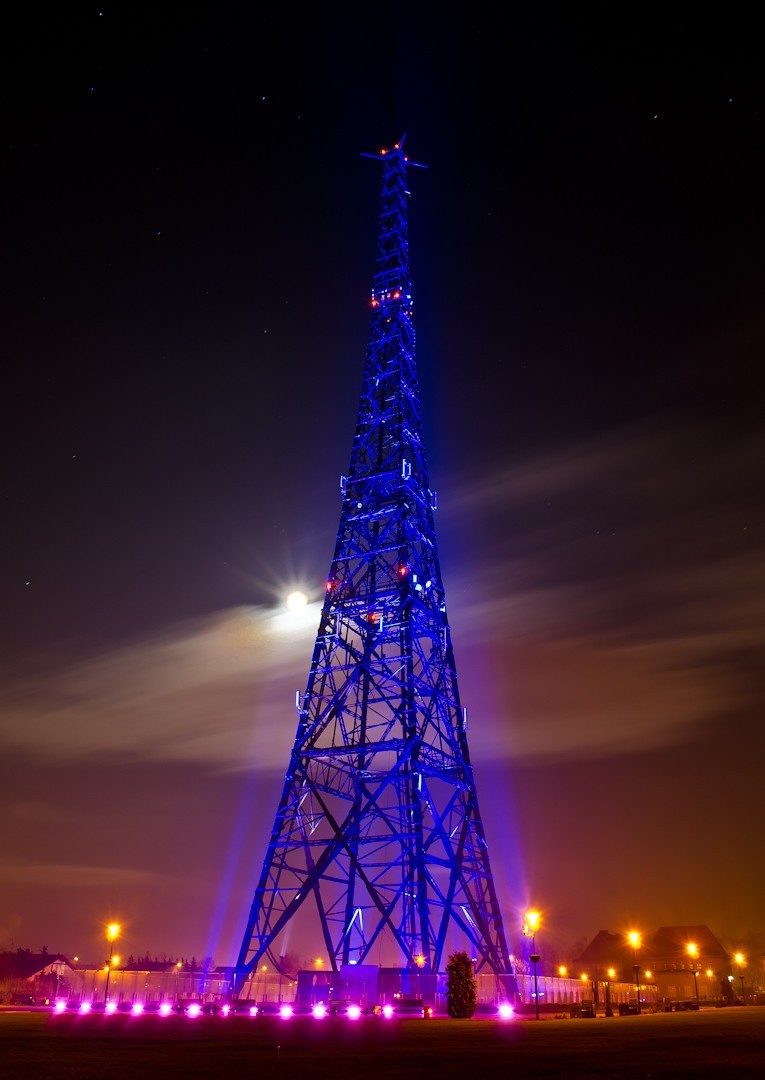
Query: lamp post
634	939
610	974
530	928
588	1004
741	961
112	933
693	951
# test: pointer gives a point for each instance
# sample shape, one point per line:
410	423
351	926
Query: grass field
716	1043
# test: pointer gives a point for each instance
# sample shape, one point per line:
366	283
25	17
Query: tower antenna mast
378	831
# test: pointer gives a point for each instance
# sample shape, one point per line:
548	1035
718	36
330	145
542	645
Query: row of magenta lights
137	1008
319	1011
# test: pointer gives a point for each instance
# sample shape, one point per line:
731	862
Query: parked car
341	1006
413	1006
244	1007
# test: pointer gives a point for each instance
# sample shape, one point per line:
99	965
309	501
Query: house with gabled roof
690	964
27	977
686	964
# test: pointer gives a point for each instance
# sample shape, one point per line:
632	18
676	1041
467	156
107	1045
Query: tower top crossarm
396	150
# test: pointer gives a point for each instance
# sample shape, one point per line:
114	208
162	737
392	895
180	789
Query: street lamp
112	933
530	928
693	951
635	941
588	1003
610	974
741	961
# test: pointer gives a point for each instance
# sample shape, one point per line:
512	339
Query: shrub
461	996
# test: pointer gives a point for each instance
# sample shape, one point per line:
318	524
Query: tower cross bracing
378	828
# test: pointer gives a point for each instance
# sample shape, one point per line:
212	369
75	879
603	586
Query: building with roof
687	964
28	978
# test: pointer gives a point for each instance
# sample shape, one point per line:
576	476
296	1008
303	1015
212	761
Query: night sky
188	250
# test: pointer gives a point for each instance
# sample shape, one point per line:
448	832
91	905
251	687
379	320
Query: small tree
461	996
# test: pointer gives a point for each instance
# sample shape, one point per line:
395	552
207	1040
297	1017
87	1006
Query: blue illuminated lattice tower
378	826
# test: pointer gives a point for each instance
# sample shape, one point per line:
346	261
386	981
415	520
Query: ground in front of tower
711	1043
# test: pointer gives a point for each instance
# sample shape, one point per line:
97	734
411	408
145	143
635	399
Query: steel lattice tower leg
378	825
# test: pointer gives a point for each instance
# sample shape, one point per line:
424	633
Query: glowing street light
610	975
112	933
693	951
741	961
530	927
563	971
635	940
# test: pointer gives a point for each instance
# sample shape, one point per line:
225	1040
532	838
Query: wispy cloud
619	609
71	877
200	691
613	589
